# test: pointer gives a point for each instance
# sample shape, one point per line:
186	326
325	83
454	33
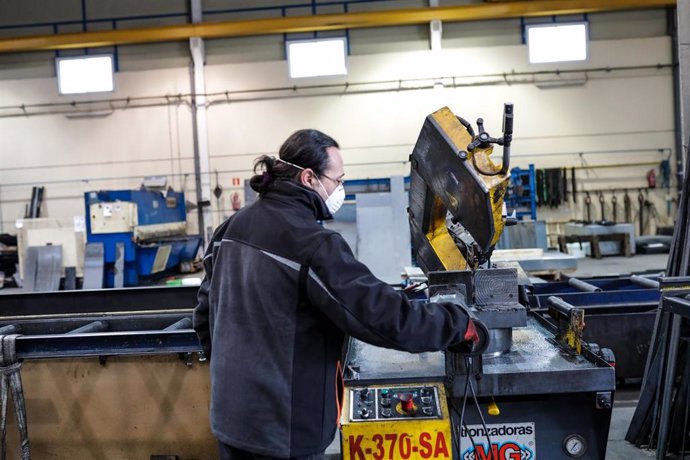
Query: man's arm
201	312
200	317
370	310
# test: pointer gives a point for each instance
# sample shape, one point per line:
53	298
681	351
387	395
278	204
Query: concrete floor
623	409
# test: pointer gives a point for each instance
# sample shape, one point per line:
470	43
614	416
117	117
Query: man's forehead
336	160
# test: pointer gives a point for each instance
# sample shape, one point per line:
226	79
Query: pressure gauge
574	445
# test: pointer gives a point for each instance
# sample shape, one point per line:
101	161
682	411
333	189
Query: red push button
407	401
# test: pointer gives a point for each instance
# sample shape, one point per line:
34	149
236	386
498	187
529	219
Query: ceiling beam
366	19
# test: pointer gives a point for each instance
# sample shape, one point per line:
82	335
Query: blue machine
150	226
522	192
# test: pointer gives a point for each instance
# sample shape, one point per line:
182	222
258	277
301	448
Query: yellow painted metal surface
468	12
130	408
488	173
397	439
441	241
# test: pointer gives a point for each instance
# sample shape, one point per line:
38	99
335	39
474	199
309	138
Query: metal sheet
550	261
535	366
48	267
93	266
383	232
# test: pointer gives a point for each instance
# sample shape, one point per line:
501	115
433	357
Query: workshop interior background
617	109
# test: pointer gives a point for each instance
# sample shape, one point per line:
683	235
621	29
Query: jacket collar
297	196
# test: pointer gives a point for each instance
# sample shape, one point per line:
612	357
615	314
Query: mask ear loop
324	188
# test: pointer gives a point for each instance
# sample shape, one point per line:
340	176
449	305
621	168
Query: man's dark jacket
280	293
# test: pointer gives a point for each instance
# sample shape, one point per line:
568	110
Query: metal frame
314	23
136	321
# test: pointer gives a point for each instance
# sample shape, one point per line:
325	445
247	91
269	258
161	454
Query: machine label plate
398	445
394	422
509	441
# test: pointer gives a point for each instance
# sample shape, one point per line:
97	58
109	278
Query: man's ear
306	177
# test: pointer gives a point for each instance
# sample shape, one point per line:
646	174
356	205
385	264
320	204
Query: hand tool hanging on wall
603	206
574	184
540	187
588	204
627	204
640	200
564	175
554	187
614	205
218	192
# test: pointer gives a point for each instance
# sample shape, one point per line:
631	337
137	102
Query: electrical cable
468	361
461	415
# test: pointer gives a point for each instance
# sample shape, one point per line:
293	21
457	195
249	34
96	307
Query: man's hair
305	148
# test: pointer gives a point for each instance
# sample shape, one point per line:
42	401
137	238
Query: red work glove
475	341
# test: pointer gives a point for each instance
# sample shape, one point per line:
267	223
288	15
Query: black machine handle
484	140
507	135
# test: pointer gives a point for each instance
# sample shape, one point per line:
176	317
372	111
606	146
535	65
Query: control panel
394	403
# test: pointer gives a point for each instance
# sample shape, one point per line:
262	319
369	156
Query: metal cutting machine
535	393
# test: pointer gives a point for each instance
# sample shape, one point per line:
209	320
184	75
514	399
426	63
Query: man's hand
476	339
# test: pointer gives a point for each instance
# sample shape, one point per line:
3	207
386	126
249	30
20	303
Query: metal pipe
669	381
644	282
561	305
583	285
184	323
322	22
672	26
96	326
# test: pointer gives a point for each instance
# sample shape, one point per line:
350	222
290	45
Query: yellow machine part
441	241
397	439
486	171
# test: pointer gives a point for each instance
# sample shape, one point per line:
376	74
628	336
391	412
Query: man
279	296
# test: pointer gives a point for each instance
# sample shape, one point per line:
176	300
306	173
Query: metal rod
583	285
184	323
96	326
561	305
671	362
687	398
644	281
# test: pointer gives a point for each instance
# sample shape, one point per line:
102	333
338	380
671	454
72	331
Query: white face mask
336	199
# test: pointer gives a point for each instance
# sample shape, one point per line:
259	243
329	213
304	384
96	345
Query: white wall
612	111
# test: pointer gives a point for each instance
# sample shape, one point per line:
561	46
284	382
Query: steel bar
99	301
678	306
184	323
95	326
669	381
561	306
107	343
644	281
583	285
322	22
